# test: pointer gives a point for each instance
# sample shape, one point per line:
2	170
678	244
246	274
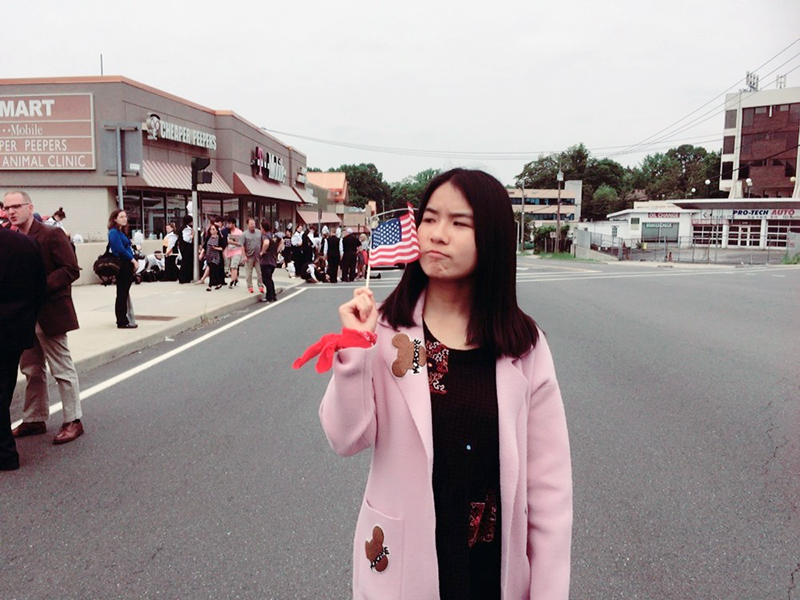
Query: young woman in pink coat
470	490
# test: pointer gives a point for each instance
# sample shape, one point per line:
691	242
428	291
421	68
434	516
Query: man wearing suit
56	318
22	291
350	245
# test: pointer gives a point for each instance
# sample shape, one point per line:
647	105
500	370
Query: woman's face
447	236
213	230
169	228
122	219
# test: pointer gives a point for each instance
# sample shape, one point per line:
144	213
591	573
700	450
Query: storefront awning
177	177
306	196
311	217
247	184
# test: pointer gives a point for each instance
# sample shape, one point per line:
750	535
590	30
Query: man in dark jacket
332	249
22	291
56	318
350	245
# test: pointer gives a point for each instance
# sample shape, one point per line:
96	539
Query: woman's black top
466	470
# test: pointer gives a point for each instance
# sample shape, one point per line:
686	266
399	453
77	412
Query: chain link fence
684	249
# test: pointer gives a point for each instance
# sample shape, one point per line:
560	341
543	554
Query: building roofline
739	203
142	86
104	79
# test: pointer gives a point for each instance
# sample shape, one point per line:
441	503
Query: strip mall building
58	142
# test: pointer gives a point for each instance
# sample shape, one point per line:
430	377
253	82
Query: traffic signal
198	174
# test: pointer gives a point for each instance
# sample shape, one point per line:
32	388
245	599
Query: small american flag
395	241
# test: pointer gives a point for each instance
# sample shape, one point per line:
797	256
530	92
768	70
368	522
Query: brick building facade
760	143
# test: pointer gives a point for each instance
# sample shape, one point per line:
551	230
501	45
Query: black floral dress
466	470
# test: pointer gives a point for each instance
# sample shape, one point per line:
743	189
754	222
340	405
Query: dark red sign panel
47	132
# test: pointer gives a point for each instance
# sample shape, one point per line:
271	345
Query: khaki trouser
251	264
53	350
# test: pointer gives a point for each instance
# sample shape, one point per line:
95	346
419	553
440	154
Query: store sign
709	221
663	215
267	165
158	129
301	175
659	225
47	132
766	213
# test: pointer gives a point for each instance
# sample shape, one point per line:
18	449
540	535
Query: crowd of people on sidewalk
38	266
224	250
326	258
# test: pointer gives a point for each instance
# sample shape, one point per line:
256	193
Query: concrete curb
176	327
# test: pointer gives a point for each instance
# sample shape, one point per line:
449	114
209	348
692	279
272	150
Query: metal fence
686	250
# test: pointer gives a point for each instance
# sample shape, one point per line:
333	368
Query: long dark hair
112	220
496	321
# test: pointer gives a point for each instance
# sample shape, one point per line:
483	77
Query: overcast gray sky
505	78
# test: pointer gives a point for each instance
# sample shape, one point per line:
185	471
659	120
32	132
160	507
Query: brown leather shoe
32	428
69	432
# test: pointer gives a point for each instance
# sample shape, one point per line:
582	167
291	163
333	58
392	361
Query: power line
499	156
712	113
526	155
714	98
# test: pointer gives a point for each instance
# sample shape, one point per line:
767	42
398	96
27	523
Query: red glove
328	344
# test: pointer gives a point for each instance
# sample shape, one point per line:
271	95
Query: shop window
789	168
783	108
794	113
230	209
209	209
132	203
727	170
747	117
176	209
707	235
730	119
728	144
747	143
154	217
761	110
744	171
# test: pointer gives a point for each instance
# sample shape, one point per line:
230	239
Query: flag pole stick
369	262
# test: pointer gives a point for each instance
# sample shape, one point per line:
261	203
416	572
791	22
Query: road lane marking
579	277
547	277
57	407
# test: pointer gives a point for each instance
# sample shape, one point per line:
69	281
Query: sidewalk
162	309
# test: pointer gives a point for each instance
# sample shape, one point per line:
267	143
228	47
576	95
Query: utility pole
559	178
522	221
198	176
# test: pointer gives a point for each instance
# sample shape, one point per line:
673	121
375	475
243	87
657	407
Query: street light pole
559	179
749	183
708	183
522	221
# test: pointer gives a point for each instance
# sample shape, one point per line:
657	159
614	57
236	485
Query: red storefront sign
47	132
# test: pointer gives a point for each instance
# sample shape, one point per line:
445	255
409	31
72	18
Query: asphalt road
207	474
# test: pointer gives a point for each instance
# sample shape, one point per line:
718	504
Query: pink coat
367	405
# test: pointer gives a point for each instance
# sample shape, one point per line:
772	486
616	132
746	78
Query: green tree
662	176
411	189
576	163
673	174
604	201
366	183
